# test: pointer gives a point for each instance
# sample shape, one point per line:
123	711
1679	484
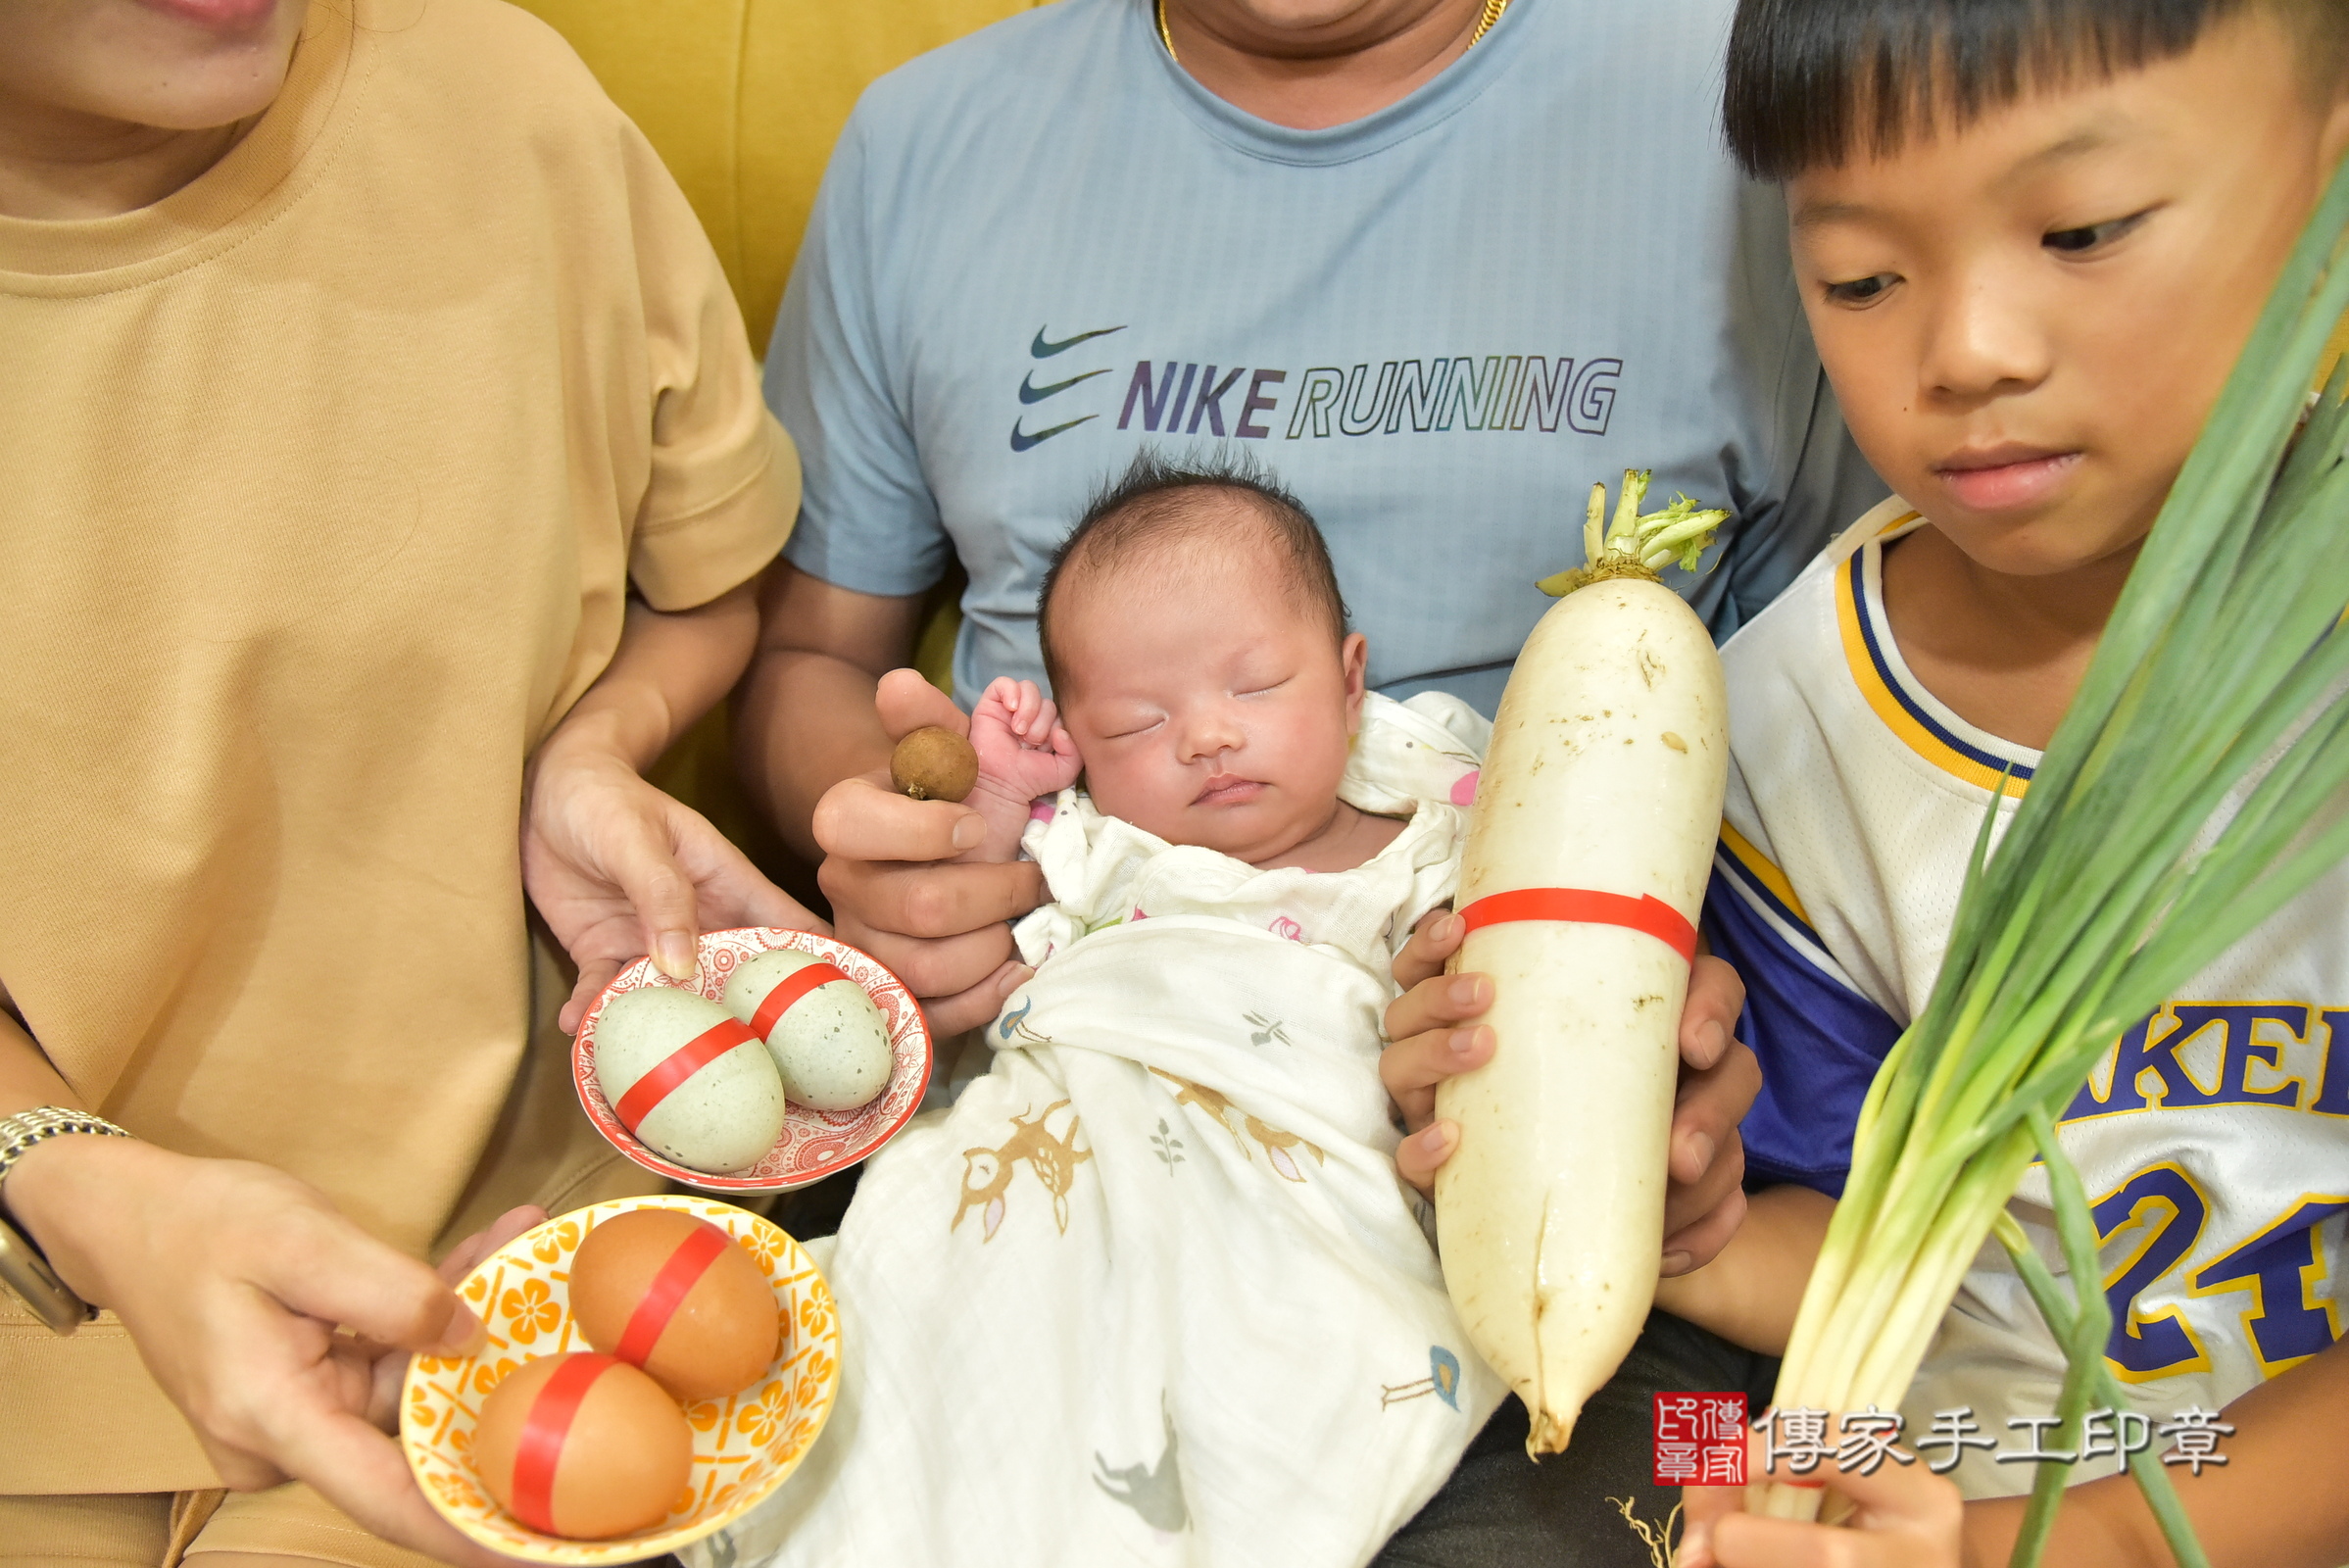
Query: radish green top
1636	546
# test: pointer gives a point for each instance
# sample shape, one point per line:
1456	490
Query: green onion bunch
2193	789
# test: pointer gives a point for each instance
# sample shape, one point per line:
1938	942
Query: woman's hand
1435	1035
618	870
276	1325
1903	1516
944	928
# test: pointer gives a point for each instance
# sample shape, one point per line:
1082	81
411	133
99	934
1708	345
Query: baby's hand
1024	752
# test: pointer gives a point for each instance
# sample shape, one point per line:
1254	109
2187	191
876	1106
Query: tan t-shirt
321	483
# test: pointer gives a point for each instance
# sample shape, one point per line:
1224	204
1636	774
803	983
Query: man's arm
805	718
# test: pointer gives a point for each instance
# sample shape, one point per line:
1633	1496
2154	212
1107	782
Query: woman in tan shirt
356	361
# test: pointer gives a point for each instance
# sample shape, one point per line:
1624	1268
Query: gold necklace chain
1492	10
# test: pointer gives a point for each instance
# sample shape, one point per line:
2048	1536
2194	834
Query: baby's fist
1024	752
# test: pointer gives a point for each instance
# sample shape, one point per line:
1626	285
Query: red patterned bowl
814	1143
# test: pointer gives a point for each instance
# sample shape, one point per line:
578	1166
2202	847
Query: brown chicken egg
583	1447
673	1295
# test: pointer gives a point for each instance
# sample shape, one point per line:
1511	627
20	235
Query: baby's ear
1353	658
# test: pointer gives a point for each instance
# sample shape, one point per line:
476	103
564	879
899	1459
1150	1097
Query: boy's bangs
1814	83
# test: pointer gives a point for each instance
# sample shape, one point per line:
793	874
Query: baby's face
1209	705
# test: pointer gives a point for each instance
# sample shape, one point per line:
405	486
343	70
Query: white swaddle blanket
1150	1291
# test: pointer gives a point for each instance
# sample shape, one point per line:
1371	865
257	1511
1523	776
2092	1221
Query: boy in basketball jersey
2032	240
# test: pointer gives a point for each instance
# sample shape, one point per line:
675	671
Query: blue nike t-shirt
1045	246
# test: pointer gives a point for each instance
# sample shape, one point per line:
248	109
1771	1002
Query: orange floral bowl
814	1143
744	1447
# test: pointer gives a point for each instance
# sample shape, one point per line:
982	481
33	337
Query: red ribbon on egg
677	1066
538	1447
701	1247
792	988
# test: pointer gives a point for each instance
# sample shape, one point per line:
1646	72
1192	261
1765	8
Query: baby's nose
1210	735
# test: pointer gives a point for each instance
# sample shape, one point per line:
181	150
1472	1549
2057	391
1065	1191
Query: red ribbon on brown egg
538	1447
701	1247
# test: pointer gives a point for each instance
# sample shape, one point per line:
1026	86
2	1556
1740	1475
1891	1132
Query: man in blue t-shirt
1440	263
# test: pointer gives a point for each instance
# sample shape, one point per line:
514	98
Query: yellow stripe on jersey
1904	718
1757	865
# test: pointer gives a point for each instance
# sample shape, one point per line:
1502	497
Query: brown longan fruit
933	764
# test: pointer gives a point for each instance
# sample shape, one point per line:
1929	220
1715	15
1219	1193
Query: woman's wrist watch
24	1271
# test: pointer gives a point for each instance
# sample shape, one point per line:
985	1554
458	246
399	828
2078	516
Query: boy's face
1210	707
2025	320
177	64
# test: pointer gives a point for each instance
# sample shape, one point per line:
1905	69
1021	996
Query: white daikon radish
1596	820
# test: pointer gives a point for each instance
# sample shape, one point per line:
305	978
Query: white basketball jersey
2213	1136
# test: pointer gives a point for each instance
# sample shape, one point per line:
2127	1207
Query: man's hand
618	870
278	1328
944	928
1435	1035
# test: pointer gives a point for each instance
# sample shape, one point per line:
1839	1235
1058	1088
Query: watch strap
28	1129
24	1271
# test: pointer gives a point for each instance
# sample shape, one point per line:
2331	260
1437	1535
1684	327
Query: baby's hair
1813	82
1150	513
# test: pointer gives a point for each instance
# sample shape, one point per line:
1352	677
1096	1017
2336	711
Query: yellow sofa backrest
744	99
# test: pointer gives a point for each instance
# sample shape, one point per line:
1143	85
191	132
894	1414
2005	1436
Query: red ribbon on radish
1584	907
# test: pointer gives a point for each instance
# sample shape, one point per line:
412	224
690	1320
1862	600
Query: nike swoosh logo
1021	440
1042	350
1030	392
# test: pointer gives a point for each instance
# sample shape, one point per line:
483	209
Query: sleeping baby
1150	1291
